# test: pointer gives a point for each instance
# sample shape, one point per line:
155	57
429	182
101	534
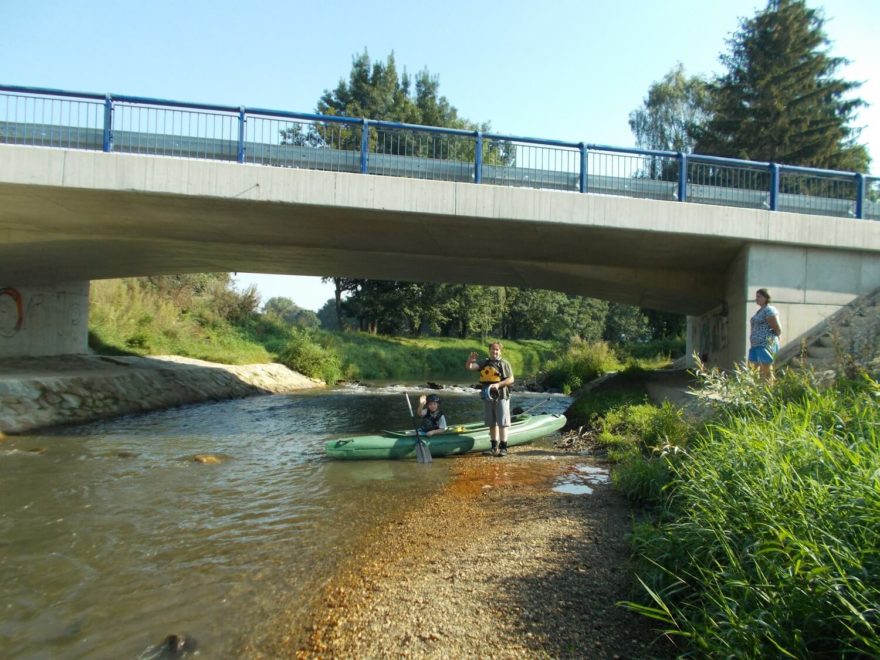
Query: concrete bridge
68	216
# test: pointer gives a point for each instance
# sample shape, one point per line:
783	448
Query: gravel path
497	565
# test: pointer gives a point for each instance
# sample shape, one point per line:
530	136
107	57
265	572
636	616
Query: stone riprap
70	389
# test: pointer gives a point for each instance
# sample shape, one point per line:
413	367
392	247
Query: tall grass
126	318
769	540
581	363
371	357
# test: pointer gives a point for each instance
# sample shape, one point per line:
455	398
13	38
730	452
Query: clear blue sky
569	70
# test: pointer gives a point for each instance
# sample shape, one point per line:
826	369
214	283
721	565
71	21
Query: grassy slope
126	319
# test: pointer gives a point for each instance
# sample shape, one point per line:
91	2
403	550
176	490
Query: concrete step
821	352
822	364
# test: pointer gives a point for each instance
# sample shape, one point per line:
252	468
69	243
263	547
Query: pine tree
779	100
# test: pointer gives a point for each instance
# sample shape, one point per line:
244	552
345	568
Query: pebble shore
496	565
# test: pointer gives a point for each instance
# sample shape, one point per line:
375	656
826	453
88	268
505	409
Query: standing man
496	377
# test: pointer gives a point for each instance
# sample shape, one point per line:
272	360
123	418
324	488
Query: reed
768	542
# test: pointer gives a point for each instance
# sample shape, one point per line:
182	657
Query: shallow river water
112	537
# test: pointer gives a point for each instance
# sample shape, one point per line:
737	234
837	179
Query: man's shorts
497	412
762	354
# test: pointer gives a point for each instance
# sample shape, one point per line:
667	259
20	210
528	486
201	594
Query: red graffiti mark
19	306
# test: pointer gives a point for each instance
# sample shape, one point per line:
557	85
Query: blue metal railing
133	124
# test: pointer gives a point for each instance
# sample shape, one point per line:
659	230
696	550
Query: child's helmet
433	398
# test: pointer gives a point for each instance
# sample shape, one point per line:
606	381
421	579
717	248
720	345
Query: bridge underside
71	216
60	234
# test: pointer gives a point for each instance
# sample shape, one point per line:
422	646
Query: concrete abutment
807	284
44	320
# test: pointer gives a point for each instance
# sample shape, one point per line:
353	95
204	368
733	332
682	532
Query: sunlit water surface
113	537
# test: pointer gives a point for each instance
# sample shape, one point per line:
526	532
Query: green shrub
597	403
644	428
149	316
581	363
669	347
309	358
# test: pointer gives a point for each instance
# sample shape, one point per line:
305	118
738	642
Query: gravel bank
497	565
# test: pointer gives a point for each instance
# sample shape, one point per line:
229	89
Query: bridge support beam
807	284
41	320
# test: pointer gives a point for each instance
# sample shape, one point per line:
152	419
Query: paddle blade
423	453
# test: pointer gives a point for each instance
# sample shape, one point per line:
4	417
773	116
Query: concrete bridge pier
51	319
807	284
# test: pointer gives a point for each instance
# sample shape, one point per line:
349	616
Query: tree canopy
671	113
284	309
779	100
375	90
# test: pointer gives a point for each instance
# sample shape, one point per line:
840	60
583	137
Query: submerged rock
207	459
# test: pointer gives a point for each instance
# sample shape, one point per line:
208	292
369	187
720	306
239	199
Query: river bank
498	564
521	557
41	392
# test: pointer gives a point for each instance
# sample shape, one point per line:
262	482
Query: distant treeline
412	309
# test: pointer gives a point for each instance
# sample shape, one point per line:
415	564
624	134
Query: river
112	537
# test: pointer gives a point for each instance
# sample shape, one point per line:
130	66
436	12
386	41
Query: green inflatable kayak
456	439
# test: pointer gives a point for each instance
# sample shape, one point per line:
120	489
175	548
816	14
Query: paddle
423	454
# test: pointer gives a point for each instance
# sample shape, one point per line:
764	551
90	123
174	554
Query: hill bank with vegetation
204	317
760	519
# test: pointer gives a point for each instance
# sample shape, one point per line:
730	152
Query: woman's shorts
762	354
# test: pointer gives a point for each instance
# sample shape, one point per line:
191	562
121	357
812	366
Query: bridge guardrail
131	124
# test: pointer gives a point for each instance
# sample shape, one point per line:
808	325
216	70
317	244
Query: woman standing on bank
764	337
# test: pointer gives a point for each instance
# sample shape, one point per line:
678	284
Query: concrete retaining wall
75	389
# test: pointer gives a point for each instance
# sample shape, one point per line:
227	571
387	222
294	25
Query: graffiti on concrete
11	311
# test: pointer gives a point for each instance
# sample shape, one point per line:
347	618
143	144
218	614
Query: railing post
478	157
108	124
860	196
774	186
582	185
241	122
365	144
682	176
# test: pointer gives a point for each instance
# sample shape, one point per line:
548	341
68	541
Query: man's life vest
491	372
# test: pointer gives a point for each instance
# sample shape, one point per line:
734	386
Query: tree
779	100
665	325
671	113
329	319
625	324
288	312
375	90
342	285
